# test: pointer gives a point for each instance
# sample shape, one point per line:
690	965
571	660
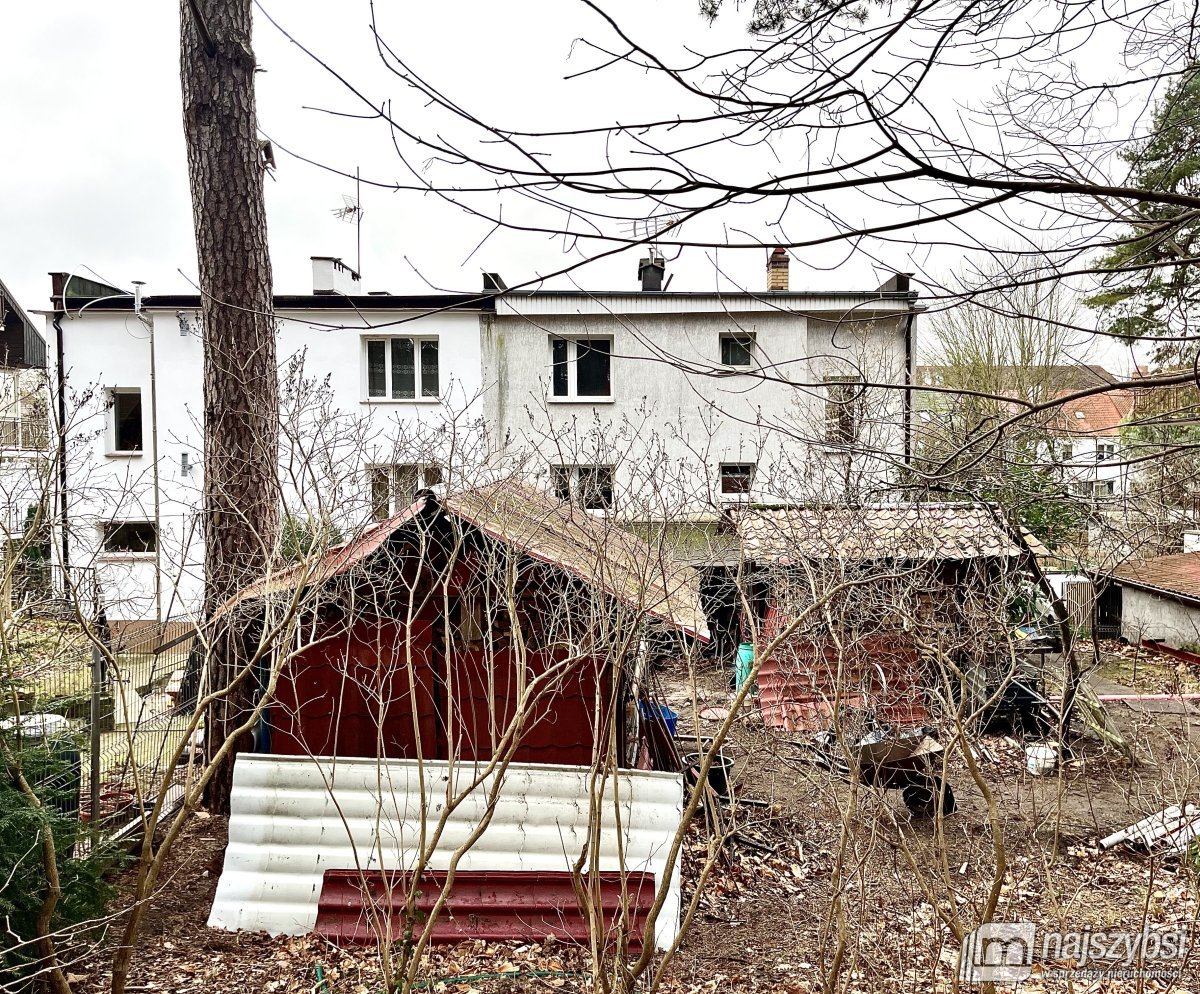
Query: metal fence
114	715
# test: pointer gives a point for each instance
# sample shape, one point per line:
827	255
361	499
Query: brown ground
765	921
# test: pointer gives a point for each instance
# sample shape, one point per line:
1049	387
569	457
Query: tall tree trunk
241	387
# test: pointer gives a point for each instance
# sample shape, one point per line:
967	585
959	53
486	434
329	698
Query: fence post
94	733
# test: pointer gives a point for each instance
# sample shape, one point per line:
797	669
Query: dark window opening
127	421
376	374
843	403
593	367
589	487
737	350
130	536
429	369
558	356
404	369
737	478
560	481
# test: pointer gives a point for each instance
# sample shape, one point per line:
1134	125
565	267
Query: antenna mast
353	212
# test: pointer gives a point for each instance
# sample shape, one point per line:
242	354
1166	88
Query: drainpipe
908	383
60	388
148	322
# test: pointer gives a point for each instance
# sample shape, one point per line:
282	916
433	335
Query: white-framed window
1065	451
128	538
737	478
581	368
394	487
1105	451
589	487
843	409
737	349
401	368
1103	488
125	432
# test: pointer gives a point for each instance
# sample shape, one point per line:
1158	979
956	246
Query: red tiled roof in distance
1098	415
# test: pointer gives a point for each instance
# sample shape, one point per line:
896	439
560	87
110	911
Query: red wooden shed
465	623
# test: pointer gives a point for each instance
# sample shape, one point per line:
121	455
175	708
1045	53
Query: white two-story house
377	393
648	401
641	404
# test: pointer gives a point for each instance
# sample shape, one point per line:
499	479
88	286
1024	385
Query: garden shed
429	633
902	581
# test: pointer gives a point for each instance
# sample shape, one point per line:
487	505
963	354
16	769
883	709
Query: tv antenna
647	229
352	213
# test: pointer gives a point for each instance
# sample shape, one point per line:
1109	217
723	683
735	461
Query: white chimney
331	275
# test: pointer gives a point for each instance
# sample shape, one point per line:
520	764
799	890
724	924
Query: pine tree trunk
241	388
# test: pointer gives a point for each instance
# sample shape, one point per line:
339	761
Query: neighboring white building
369	384
23	417
637	402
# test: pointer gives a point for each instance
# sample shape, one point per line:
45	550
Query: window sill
125	454
582	400
126	557
385	401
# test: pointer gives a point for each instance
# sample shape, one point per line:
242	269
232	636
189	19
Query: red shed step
494	905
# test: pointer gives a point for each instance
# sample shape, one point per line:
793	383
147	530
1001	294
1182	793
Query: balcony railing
29	434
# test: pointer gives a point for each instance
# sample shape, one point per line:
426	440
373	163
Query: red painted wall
351	694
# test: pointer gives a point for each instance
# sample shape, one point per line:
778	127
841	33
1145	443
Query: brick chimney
777	270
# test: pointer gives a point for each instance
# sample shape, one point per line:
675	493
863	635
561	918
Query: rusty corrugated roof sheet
880	531
1178	574
540	526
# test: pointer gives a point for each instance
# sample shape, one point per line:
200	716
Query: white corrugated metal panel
845	305
295	817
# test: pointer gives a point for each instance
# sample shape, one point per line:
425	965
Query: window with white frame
581	368
589	487
737	478
1103	488
394	487
129	538
125	435
737	349
402	368
1105	451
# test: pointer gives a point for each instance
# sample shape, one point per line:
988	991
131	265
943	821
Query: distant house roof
1176	576
1100	414
907	532
1062	377
539	526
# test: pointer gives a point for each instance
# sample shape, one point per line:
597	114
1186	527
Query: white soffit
294	817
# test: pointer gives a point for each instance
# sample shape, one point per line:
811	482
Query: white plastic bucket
1041	759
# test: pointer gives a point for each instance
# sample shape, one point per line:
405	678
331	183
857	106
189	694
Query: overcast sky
95	179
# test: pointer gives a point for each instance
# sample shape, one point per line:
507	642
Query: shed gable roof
539	526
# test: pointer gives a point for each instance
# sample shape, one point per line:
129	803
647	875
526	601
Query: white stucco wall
104	349
1147	616
676	413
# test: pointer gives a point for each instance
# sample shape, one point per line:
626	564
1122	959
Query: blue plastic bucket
745	662
662	713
